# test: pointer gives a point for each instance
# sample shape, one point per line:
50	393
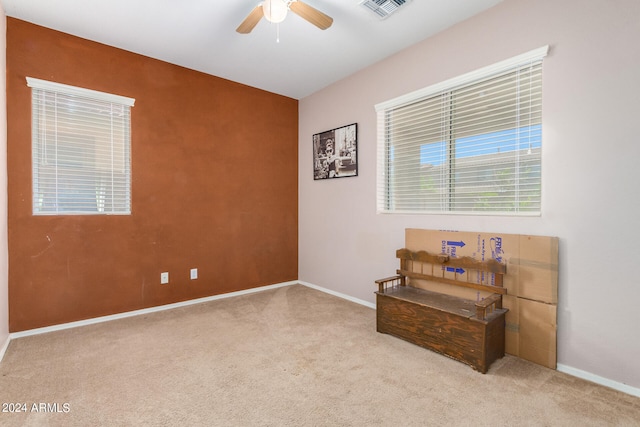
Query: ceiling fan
276	10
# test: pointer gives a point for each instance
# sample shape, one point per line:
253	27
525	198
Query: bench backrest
464	271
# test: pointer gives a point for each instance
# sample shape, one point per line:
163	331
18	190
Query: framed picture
335	153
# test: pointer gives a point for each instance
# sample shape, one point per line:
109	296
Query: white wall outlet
194	273
164	278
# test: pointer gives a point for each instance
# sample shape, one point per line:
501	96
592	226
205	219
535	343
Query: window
81	145
469	145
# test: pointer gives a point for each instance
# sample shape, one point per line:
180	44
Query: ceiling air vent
383	8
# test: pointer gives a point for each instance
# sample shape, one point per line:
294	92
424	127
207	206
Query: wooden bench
468	330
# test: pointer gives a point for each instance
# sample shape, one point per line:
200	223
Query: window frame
84	156
386	168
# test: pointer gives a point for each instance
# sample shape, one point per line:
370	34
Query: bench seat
472	332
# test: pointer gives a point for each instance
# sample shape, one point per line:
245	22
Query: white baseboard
124	315
560	368
598	379
3	348
144	311
338	294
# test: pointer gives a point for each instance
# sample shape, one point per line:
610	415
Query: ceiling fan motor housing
275	10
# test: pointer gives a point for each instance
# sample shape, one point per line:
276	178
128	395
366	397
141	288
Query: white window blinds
468	145
80	150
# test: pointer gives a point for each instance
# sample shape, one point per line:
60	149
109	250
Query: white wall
4	250
591	168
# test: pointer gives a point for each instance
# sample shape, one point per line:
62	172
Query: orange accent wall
214	187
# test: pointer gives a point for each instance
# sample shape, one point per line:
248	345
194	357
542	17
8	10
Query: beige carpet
290	356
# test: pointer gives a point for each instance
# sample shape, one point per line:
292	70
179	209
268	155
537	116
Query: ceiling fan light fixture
275	10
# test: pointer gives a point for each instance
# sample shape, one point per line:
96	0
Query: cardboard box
531	282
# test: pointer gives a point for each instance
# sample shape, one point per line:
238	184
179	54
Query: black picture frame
335	153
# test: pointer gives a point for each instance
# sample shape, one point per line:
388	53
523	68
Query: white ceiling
200	34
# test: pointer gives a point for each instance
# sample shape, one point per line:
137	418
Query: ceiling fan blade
311	14
251	20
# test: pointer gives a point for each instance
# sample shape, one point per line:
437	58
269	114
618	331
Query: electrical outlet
194	273
164	278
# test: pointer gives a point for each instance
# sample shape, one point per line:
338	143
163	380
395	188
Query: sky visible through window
510	140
